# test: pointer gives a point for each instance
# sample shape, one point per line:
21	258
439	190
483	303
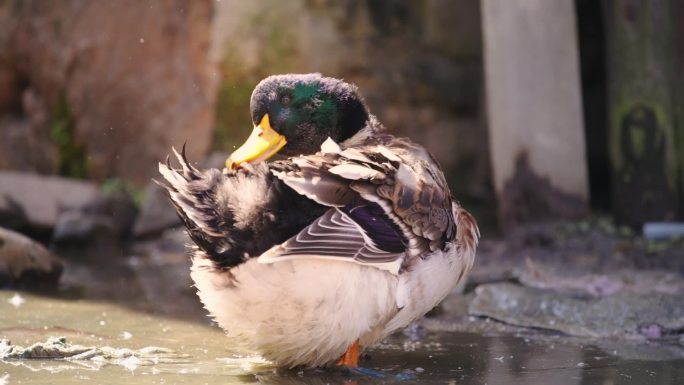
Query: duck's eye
285	100
314	103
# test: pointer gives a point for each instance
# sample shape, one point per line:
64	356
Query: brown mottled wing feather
401	177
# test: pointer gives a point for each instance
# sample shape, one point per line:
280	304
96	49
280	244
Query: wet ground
200	354
551	305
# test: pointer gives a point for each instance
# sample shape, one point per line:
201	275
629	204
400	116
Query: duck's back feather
397	177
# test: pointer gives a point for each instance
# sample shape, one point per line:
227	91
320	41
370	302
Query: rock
98	230
175	241
78	227
25	263
39	199
574	251
165	262
157	213
626	315
579	282
26	145
111	215
114	96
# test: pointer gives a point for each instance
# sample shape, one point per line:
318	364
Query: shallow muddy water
202	355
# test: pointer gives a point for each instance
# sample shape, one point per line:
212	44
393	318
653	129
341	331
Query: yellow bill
262	144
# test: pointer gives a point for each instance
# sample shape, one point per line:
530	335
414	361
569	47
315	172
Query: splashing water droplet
16	301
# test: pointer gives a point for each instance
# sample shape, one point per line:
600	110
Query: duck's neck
369	134
352	115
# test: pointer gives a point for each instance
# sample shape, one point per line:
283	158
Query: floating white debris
500	359
149	350
16	301
247	363
126	335
131	363
4	380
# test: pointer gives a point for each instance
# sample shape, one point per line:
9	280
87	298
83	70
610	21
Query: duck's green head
294	114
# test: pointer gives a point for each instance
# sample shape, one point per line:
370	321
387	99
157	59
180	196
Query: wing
399	183
336	235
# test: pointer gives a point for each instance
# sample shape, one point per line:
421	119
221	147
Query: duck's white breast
426	284
298	312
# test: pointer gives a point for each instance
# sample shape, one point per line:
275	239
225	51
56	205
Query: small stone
25	263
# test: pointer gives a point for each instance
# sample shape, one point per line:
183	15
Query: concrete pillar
534	109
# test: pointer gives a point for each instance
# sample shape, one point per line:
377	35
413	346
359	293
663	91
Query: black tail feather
193	194
234	217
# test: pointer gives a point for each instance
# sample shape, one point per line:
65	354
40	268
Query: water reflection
435	358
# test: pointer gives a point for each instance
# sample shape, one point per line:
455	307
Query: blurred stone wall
102	89
418	64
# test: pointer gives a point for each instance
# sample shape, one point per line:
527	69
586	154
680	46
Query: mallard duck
351	236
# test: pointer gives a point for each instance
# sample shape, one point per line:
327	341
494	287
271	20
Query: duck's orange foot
350	358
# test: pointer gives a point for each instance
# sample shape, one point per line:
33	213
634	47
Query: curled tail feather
194	195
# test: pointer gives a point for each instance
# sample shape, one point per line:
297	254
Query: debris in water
248	363
59	348
4	380
131	363
410	346
126	335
